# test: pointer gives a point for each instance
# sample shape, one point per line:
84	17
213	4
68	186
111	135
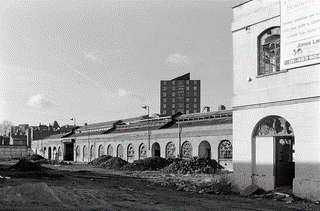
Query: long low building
199	134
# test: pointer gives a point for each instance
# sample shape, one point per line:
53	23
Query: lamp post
147	107
179	137
75	135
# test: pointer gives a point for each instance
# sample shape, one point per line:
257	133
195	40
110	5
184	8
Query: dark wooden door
284	169
69	151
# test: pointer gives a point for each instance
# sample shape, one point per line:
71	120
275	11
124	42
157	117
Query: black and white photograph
160	105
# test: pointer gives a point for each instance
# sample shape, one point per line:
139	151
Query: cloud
178	59
39	102
2	104
91	55
124	93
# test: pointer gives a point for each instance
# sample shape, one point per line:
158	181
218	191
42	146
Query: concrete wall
13	151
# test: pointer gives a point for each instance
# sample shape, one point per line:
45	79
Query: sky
103	60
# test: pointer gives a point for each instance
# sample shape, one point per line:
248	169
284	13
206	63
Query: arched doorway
78	154
100	151
170	150
273	153
110	150
204	150
186	150
84	153
142	151
49	153
130	153
155	150
120	151
91	152
54	153
225	154
44	152
59	153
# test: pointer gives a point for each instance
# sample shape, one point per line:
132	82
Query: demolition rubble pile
25	165
114	163
153	163
100	160
193	165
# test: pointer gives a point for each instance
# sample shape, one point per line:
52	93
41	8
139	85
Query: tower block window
269	51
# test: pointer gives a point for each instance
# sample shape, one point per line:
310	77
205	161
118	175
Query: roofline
241	4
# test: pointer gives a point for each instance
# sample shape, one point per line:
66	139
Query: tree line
5	127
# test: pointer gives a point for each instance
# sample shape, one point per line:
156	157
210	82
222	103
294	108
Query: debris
25	164
288	200
100	160
252	190
193	165
114	163
153	163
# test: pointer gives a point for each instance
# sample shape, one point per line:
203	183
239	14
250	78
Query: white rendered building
276	133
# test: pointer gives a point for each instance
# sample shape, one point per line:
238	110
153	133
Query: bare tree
5	127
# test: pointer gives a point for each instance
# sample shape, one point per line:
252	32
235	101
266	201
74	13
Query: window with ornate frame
269	51
225	150
130	151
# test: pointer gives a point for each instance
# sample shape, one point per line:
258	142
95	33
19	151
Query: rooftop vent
221	108
206	109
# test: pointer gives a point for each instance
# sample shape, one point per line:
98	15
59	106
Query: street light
147	107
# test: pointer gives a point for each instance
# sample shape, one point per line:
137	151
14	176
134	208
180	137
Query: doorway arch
110	150
49	153
54	153
130	153
91	152
273	154
186	150
100	151
120	151
155	149
78	154
204	150
84	153
170	150
142	151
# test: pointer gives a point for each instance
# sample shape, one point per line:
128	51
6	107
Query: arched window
110	150
120	151
269	51
59	153
130	151
91	152
100	151
170	150
186	150
84	153
225	150
142	151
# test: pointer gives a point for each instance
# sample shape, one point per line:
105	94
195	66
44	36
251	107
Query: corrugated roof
60	135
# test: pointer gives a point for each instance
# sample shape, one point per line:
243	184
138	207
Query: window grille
225	150
269	51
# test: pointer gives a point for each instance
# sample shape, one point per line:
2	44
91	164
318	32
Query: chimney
221	108
206	109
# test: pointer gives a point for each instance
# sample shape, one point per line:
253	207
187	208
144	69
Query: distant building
180	94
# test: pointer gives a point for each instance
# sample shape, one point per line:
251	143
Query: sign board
300	33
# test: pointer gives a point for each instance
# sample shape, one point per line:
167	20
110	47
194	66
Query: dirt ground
82	187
